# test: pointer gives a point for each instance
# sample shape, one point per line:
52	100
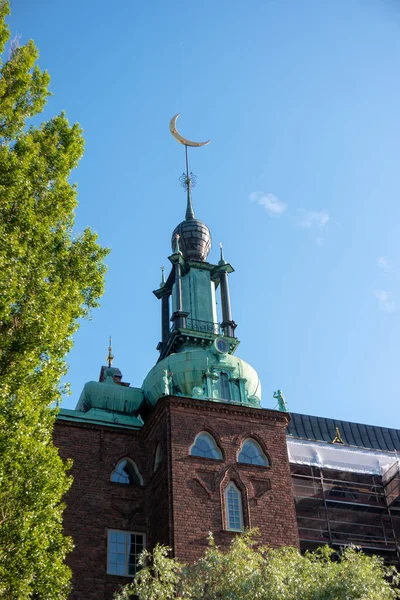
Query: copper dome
194	239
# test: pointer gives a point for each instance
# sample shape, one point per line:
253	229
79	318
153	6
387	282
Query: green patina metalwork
198	295
278	395
196	373
110	396
101	417
197	354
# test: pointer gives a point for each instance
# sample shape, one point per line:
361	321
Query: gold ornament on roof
110	356
180	138
338	438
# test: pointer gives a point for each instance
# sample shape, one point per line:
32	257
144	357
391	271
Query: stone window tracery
205	446
252	454
126	472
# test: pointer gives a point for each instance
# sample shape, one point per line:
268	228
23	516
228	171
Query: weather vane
187	179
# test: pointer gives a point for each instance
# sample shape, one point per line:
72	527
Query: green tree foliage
248	571
49	280
158	579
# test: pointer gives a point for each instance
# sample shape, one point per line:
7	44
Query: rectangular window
224	387
124	548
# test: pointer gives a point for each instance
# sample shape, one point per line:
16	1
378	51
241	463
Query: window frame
217	447
225	385
126	553
227	527
262	452
135	468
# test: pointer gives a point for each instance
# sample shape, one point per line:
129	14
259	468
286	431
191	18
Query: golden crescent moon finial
180	138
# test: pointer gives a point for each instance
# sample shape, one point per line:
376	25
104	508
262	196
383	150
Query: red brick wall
181	502
95	504
198	484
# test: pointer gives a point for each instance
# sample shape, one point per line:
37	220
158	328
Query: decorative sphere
194	239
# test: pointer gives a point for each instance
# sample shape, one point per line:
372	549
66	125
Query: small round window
222	346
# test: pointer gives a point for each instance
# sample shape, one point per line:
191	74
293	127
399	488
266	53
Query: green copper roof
99	416
110	396
196	373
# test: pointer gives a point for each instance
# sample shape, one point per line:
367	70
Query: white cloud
386	303
383	263
271	203
313	219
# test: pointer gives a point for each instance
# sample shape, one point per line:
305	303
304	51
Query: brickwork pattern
180	502
198	484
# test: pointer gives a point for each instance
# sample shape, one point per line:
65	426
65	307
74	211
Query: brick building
191	451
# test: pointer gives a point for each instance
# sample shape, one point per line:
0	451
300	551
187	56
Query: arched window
126	472
159	457
251	454
233	508
225	390
205	446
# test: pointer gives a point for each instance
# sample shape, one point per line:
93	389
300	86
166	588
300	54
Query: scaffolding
342	508
391	483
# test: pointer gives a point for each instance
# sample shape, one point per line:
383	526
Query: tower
197	352
227	460
191	450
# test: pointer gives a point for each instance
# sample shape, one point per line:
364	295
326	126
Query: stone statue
197	392
167	379
278	395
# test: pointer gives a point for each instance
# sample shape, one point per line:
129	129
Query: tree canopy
258	573
50	278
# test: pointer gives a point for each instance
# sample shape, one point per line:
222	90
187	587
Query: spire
188	180
110	356
189	206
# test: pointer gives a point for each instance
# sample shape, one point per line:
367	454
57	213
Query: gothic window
225	390
233	508
251	454
205	446
159	457
123	551
126	472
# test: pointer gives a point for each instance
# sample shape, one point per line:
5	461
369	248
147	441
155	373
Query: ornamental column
179	316
164	309
228	324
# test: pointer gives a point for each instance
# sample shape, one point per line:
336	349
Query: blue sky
300	183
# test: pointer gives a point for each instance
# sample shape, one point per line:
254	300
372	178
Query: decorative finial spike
222	260
188	179
110	356
189	206
162	277
177	249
